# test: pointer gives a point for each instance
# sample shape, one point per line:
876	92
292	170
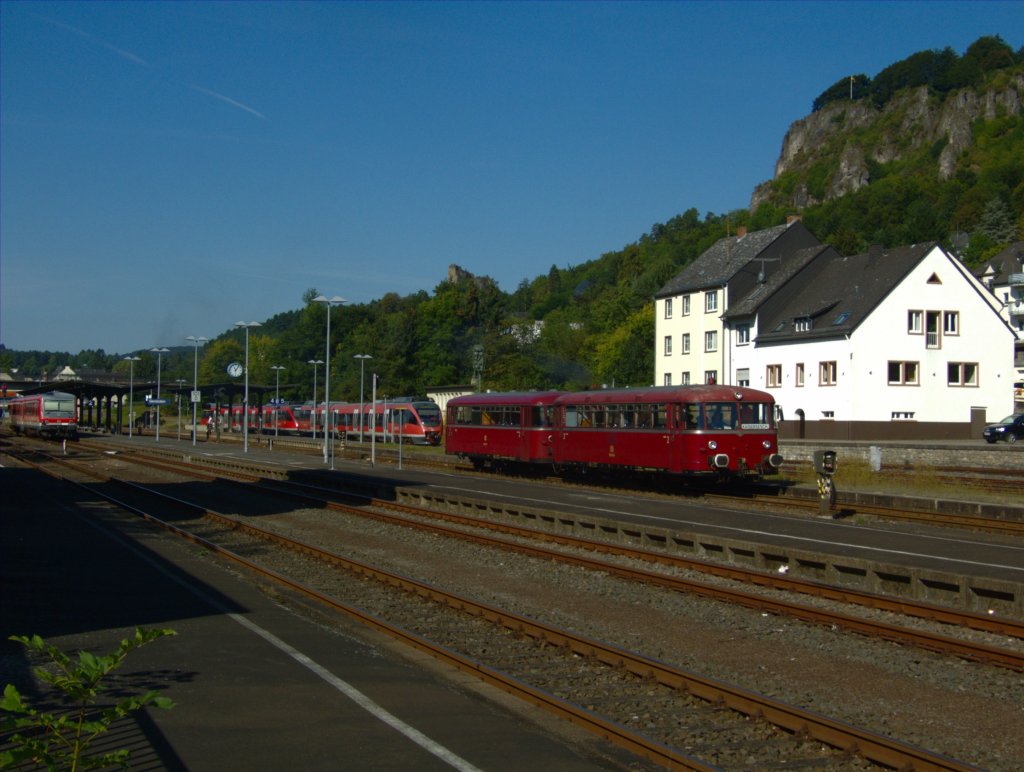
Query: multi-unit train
708	430
52	414
414	421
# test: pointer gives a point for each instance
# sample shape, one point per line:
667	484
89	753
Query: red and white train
413	421
707	430
52	414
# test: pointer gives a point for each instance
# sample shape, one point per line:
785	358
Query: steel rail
794	720
895	633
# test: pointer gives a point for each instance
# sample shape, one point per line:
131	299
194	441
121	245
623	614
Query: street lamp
362	362
245	400
131	392
196	397
277	393
312	415
159	352
335	301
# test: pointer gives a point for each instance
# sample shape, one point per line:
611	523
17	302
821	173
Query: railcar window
58	405
692	417
720	415
755	415
430	415
538	416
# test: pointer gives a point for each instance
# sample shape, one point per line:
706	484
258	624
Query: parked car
1010	429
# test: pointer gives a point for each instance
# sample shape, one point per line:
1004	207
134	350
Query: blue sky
170	168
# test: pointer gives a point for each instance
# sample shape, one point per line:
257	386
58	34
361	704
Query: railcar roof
696	393
492	398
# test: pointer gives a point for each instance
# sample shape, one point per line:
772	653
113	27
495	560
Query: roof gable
838	294
727	256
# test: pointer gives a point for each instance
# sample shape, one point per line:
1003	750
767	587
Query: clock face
234	369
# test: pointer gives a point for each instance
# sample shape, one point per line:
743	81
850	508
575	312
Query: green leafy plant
61	740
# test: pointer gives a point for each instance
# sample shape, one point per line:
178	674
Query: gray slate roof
1010	260
837	294
721	261
791	265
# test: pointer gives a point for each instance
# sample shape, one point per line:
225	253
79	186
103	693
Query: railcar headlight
713	445
766	444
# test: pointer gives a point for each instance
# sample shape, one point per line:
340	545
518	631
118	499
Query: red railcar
279	419
684	430
52	414
497	428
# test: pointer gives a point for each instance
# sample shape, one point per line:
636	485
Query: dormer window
802	324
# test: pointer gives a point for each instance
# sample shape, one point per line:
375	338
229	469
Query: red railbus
708	430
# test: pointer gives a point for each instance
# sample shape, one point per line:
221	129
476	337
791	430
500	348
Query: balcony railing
1016	279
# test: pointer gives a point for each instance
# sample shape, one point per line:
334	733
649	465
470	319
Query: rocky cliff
827	154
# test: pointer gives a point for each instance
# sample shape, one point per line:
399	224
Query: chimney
874	252
741	231
792	218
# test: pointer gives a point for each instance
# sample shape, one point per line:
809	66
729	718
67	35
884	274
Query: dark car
1010	429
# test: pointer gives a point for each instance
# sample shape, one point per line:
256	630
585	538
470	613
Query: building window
743	377
826	373
915	322
902	415
686	305
931	329
903	373
743	335
951	323
668	345
802	324
828	415
773	376
686	343
711	376
685	378
711	301
711	340
668	308
668	379
962	373
798	377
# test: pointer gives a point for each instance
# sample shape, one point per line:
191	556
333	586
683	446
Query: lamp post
177	401
312	415
196	397
335	301
362	362
131	392
159	353
245	399
277	394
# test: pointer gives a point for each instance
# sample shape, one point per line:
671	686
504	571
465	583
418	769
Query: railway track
756	589
722	726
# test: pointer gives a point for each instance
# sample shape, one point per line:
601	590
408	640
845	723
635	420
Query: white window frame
773	376
828	374
668	308
798	375
966	374
711	341
686	343
686	305
668	379
743	335
950	322
668	346
711	302
907	373
915	322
